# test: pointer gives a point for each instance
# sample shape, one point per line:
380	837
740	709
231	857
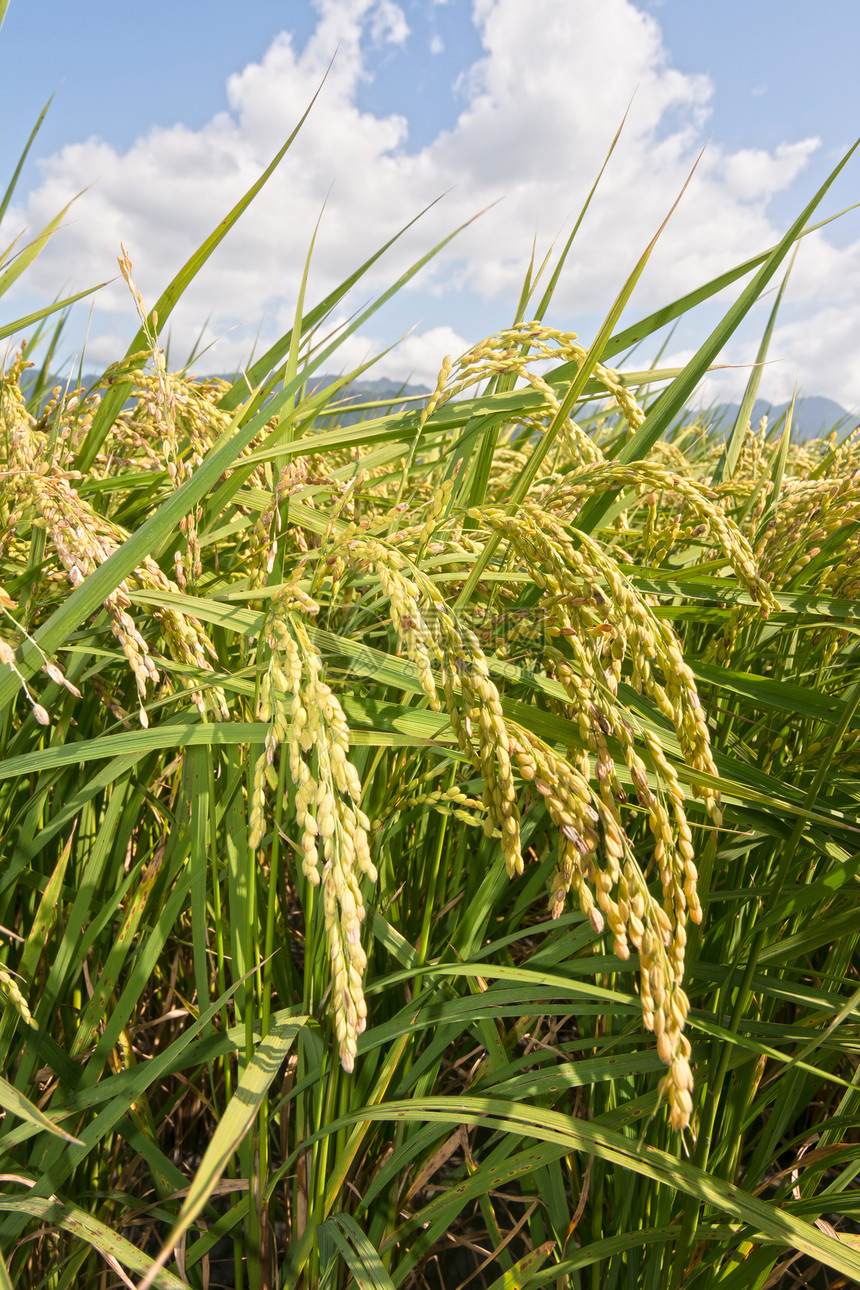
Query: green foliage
362	790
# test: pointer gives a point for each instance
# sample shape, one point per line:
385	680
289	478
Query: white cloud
823	344
437	45
541	106
417	358
753	173
388	23
822	348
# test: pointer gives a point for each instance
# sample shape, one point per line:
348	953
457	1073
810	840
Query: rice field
428	843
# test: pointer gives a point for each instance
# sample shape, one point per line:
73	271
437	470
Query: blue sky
165	115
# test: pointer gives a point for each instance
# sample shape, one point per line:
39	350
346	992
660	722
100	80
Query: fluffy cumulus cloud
538	111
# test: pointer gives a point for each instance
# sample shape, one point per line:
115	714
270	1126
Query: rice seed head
607	634
304	714
11	992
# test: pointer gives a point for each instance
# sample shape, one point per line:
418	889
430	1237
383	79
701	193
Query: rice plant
428	843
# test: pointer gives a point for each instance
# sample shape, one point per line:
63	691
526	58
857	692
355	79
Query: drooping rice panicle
83	539
11	991
306	716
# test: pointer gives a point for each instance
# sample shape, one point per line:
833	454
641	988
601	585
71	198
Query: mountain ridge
814	415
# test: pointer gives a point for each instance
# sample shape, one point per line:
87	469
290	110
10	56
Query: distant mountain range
358	392
372	391
368	391
376	391
814	416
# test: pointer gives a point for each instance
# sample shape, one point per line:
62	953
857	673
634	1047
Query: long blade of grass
725	467
116	1249
357	1251
234	1124
9	329
28	254
650	1162
16	175
231	486
553	282
645	327
15	1102
521	1275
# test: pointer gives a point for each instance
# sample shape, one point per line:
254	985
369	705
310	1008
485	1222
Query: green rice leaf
234	1124
10	329
14	1102
359	1255
725	467
69	1218
551	1127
